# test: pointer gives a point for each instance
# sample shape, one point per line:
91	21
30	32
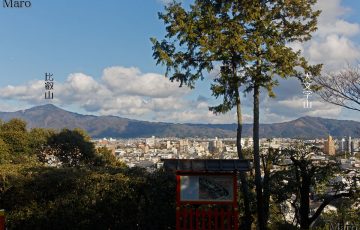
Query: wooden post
222	219
2	219
203	219
191	221
209	212
216	215
197	219
229	217
236	222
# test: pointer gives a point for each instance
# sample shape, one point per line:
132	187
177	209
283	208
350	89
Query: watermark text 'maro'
16	4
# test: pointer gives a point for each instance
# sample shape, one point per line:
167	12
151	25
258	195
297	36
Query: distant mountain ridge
50	116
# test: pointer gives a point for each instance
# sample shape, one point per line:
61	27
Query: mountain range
50	116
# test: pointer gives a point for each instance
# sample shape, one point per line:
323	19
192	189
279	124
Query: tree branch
327	201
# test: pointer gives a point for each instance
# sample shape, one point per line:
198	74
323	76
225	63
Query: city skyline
101	58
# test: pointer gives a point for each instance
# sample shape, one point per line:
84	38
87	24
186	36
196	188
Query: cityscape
148	152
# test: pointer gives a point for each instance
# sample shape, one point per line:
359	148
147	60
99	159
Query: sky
100	56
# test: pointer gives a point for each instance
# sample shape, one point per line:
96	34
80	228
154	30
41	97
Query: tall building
329	146
216	145
168	145
342	145
183	145
349	145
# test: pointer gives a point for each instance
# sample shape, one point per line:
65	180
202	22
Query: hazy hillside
50	116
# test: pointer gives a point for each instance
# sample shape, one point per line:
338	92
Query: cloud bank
122	91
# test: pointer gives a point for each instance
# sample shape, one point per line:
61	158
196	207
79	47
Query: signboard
206	188
202	182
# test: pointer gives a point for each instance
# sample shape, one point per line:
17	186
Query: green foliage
248	39
80	198
71	147
15	135
16	140
14	125
38	138
105	157
4	152
99	193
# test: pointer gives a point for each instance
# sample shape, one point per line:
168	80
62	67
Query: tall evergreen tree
239	35
207	34
270	26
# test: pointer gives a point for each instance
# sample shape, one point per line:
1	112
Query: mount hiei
50	116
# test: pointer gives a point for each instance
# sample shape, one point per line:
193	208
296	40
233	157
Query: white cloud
331	43
331	10
339	27
5	107
124	92
32	92
82	83
201	116
292	108
130	81
335	48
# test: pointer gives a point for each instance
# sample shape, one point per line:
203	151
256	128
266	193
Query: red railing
206	219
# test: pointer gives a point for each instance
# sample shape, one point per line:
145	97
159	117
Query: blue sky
101	58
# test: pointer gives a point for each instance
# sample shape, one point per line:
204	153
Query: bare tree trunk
304	201
244	184
258	182
267	165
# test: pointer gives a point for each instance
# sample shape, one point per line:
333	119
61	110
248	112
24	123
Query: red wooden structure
208	200
192	215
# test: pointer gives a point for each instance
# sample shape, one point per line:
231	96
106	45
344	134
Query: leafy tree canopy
71	147
248	36
16	137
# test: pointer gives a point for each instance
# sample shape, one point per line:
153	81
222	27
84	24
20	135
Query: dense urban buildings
148	152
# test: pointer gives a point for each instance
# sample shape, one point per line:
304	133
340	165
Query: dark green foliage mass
4	152
38	138
83	198
72	147
104	157
89	190
15	135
